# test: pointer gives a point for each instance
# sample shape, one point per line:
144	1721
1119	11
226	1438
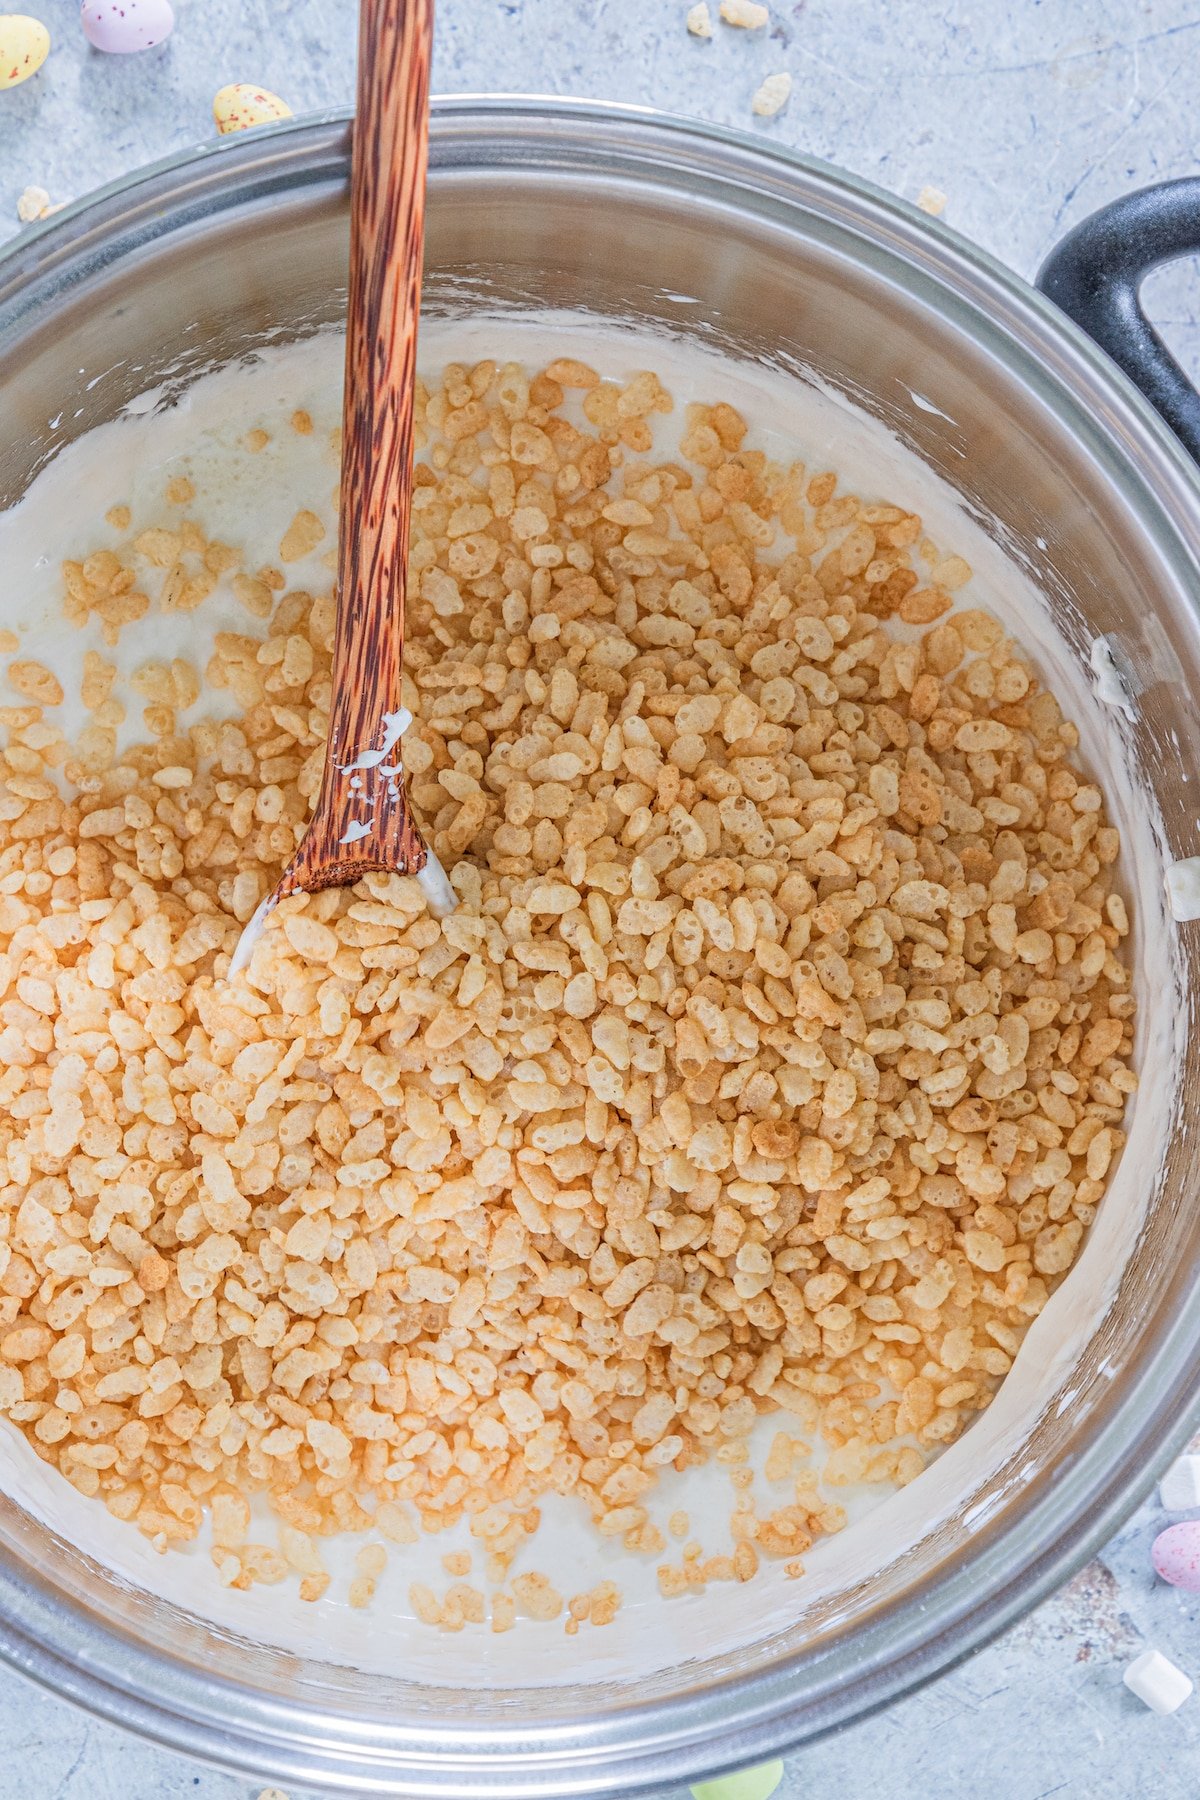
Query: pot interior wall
795	288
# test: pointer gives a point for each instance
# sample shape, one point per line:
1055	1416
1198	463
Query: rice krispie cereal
773	1062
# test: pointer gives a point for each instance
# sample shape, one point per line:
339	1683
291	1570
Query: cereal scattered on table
745	13
34	204
932	200
772	95
699	20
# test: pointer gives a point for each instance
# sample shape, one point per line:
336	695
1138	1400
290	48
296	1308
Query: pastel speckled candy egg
1176	1555
122	26
242	105
24	47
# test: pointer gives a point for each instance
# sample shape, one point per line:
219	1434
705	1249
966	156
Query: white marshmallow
1157	1682
1179	1489
434	883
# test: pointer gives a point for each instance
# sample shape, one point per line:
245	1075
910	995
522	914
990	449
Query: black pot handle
1095	275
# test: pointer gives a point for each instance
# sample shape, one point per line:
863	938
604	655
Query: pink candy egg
1176	1555
123	26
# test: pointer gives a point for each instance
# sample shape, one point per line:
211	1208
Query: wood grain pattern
387	217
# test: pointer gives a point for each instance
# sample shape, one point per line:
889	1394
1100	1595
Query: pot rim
742	1718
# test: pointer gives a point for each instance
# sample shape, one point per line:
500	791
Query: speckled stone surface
1027	115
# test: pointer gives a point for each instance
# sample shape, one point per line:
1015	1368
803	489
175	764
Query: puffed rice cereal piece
772	95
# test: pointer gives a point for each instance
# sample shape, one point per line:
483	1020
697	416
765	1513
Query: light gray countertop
1027	115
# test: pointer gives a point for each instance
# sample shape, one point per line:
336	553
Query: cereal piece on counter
123	27
1157	1682
1179	1489
699	21
272	1794
24	47
241	106
33	204
745	13
1175	1554
932	200
772	95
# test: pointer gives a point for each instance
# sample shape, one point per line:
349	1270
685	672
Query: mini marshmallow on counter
1175	1554
1179	1489
1157	1682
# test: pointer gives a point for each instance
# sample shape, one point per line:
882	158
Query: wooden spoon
363	822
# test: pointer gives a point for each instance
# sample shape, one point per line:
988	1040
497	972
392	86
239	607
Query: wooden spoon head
367	829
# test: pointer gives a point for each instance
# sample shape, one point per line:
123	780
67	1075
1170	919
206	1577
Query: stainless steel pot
536	205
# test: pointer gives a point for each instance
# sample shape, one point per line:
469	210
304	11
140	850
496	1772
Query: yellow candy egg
241	105
24	47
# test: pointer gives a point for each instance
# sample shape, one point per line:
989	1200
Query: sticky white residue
927	406
141	404
1183	888
434	883
251	933
358	829
1110	683
394	726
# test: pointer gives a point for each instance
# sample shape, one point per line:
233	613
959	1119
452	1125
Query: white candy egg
121	27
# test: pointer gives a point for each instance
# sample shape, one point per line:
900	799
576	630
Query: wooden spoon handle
387	215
